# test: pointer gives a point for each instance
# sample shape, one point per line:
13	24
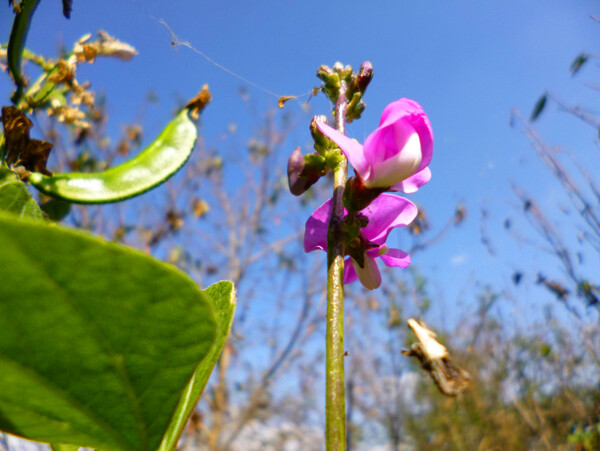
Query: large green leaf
97	342
14	196
222	298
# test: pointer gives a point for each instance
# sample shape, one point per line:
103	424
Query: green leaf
97	341
153	166
16	43
56	209
578	62
14	196
222	298
539	107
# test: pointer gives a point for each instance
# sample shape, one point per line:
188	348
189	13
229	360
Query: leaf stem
335	408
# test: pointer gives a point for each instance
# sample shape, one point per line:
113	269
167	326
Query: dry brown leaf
284	99
16	132
198	103
435	359
35	156
106	45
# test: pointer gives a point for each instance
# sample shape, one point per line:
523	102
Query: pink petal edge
349	272
414	182
352	149
396	258
315	231
385	213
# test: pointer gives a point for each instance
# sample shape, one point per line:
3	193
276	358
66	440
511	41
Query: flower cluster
383	214
394	157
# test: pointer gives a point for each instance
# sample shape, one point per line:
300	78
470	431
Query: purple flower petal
410	111
349	272
414	182
352	149
423	128
399	166
396	258
315	234
401	146
384	213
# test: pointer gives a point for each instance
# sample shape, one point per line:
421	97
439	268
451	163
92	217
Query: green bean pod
153	166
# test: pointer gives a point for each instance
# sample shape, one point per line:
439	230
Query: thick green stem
335	406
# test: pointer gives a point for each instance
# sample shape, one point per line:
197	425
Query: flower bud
338	67
295	166
364	76
329	77
304	171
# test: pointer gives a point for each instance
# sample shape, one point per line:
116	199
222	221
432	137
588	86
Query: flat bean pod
153	166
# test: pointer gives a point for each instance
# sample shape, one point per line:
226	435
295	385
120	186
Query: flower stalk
335	406
353	226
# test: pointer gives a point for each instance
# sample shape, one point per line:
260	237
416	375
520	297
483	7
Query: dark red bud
295	167
364	76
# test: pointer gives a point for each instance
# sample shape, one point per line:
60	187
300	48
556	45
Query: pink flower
397	154
384	214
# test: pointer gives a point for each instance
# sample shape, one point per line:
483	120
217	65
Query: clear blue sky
467	62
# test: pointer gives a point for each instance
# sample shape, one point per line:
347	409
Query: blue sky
467	62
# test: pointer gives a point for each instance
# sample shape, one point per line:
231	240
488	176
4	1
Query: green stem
335	406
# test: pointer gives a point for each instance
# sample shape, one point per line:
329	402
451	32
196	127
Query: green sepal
333	157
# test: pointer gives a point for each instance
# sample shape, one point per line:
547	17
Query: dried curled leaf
16	5
420	223
459	214
200	208
20	148
284	99
35	156
16	131
64	72
434	358
69	115
106	45
198	103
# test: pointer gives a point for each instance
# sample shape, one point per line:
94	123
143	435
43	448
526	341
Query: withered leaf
200	208
35	156
106	45
434	358
64	72
16	131
16	5
198	103
31	153
284	99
